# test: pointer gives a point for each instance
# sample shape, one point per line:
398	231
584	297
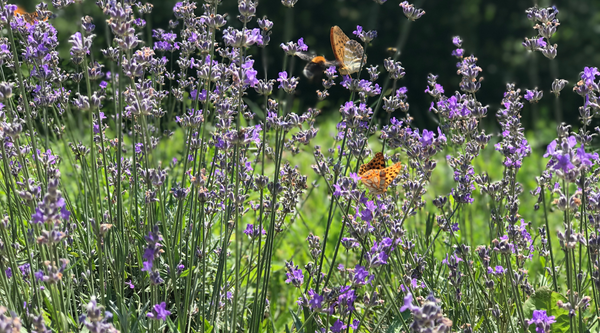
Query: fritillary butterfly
347	52
30	18
378	162
376	176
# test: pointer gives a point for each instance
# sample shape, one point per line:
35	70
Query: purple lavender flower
459	53
407	305
589	75
457	41
39	325
557	86
316	301
360	276
294	275
25	270
265	24
533	96
541	320
245	38
87	25
253	232
394	68
289	3
80	47
96	320
410	11
159	312
469	70
247	9
249	73
338	326
9	321
563	162
586	158
365	36
435	89
534	44
291	48
52	209
429	317
151	253
288	84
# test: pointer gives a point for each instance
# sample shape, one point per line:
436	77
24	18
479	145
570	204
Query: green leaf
267	326
395	327
546	299
310	322
186	272
479	324
429	226
208	328
171	325
64	321
594	324
297	322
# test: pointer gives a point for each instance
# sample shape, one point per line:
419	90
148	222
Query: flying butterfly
316	64
347	52
30	18
376	176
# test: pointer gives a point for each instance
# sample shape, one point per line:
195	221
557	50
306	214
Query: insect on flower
347	52
30	18
376	176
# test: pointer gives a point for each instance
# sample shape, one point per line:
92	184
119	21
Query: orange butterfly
376	176
30	18
347	52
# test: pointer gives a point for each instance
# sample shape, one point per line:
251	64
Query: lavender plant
144	191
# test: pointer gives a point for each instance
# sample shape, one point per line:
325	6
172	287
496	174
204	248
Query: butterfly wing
30	18
378	162
375	180
353	55
20	10
391	173
338	42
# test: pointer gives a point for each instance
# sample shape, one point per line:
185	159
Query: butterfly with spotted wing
31	18
376	176
349	53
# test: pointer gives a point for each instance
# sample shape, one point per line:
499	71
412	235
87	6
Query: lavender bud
550	51
557	86
289	3
410	11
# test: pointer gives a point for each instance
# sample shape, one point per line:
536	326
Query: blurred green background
492	30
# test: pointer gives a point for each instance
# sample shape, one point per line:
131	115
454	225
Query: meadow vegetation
171	185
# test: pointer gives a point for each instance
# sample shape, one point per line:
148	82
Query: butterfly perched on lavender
34	17
375	176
